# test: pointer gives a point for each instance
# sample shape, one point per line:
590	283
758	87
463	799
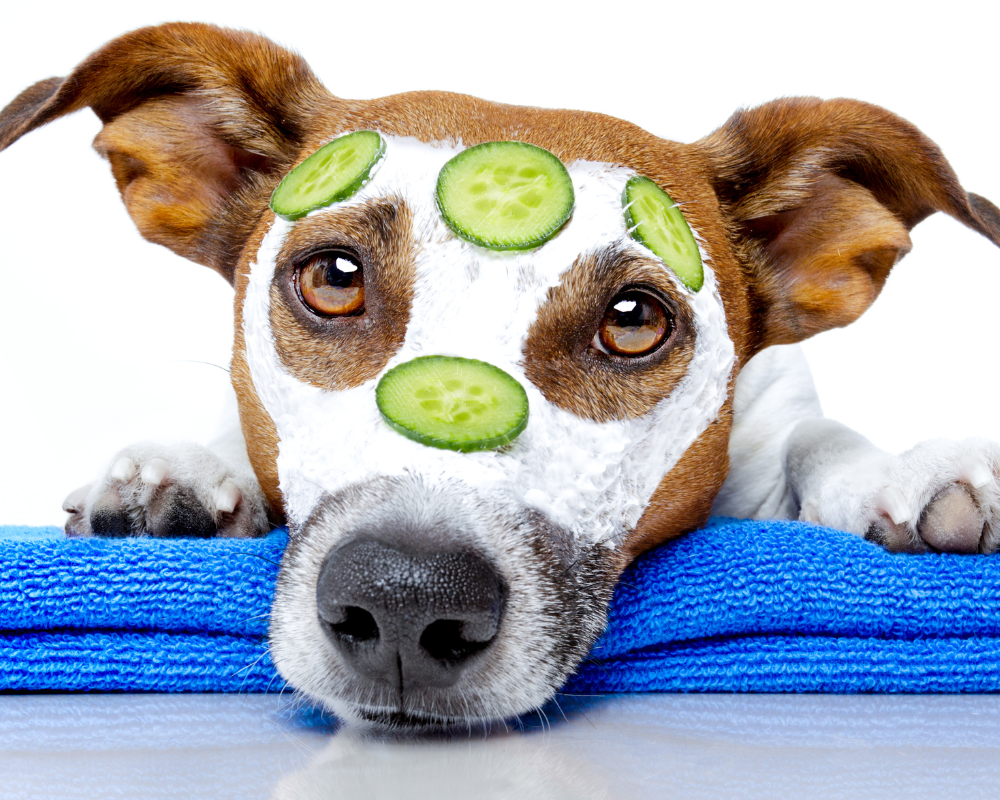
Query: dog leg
774	392
788	462
939	496
173	490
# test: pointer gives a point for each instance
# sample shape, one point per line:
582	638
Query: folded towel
156	615
739	606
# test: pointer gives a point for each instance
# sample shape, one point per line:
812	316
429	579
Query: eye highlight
635	324
331	284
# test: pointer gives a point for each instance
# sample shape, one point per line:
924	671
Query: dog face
422	586
550	512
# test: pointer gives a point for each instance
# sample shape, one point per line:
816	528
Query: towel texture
180	615
737	606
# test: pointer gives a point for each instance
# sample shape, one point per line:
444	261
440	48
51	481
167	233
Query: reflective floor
628	746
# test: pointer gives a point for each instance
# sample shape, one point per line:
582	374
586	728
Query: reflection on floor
627	746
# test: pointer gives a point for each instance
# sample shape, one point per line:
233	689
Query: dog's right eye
331	283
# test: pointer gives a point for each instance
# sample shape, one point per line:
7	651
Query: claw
976	473
77	500
227	497
890	501
123	469
154	471
810	513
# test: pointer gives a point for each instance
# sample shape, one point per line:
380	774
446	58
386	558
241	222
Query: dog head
425	586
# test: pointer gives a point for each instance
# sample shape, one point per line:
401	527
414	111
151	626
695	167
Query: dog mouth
399	721
410	607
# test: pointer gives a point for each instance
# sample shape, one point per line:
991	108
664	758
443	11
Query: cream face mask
498	226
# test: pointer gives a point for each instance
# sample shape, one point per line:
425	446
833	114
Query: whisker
195	361
555	699
249	669
262	558
255	616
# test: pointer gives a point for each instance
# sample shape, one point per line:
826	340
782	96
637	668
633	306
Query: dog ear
199	121
821	196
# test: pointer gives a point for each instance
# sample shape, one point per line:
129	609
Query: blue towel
738	606
156	615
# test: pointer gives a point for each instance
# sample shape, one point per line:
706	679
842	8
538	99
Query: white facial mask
594	479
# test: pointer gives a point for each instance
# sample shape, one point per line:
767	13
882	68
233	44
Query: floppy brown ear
822	196
198	121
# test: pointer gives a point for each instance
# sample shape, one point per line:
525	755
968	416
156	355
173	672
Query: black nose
411	619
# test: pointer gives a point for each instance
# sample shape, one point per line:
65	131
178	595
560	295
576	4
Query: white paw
167	491
940	496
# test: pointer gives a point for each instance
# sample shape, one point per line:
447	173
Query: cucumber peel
505	195
655	220
453	403
333	173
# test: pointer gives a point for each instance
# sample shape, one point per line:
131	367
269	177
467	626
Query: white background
107	339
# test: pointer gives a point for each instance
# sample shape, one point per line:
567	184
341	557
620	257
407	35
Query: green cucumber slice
505	195
453	403
655	220
331	174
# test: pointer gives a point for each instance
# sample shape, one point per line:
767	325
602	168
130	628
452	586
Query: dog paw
941	496
168	491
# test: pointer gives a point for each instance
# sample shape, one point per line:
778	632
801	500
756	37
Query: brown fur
339	353
683	500
558	358
804	205
819	196
194	116
828	259
174	175
258	427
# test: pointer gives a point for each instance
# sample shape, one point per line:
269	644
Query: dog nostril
354	624
444	640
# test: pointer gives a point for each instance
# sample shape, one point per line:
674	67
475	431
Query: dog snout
408	619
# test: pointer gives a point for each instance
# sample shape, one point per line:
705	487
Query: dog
425	587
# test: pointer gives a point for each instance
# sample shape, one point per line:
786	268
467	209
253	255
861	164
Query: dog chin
539	600
392	722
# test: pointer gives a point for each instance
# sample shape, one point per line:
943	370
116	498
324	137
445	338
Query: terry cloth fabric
137	615
745	606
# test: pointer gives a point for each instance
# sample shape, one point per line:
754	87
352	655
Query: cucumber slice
331	174
505	195
453	403
655	220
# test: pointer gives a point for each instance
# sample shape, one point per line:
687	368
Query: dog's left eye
332	284
635	324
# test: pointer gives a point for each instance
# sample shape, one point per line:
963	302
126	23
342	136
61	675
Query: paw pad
952	522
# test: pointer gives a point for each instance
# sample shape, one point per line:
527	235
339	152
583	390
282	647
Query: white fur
774	392
219	476
592	478
524	663
788	462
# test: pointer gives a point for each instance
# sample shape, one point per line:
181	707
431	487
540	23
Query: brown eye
332	284
635	323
